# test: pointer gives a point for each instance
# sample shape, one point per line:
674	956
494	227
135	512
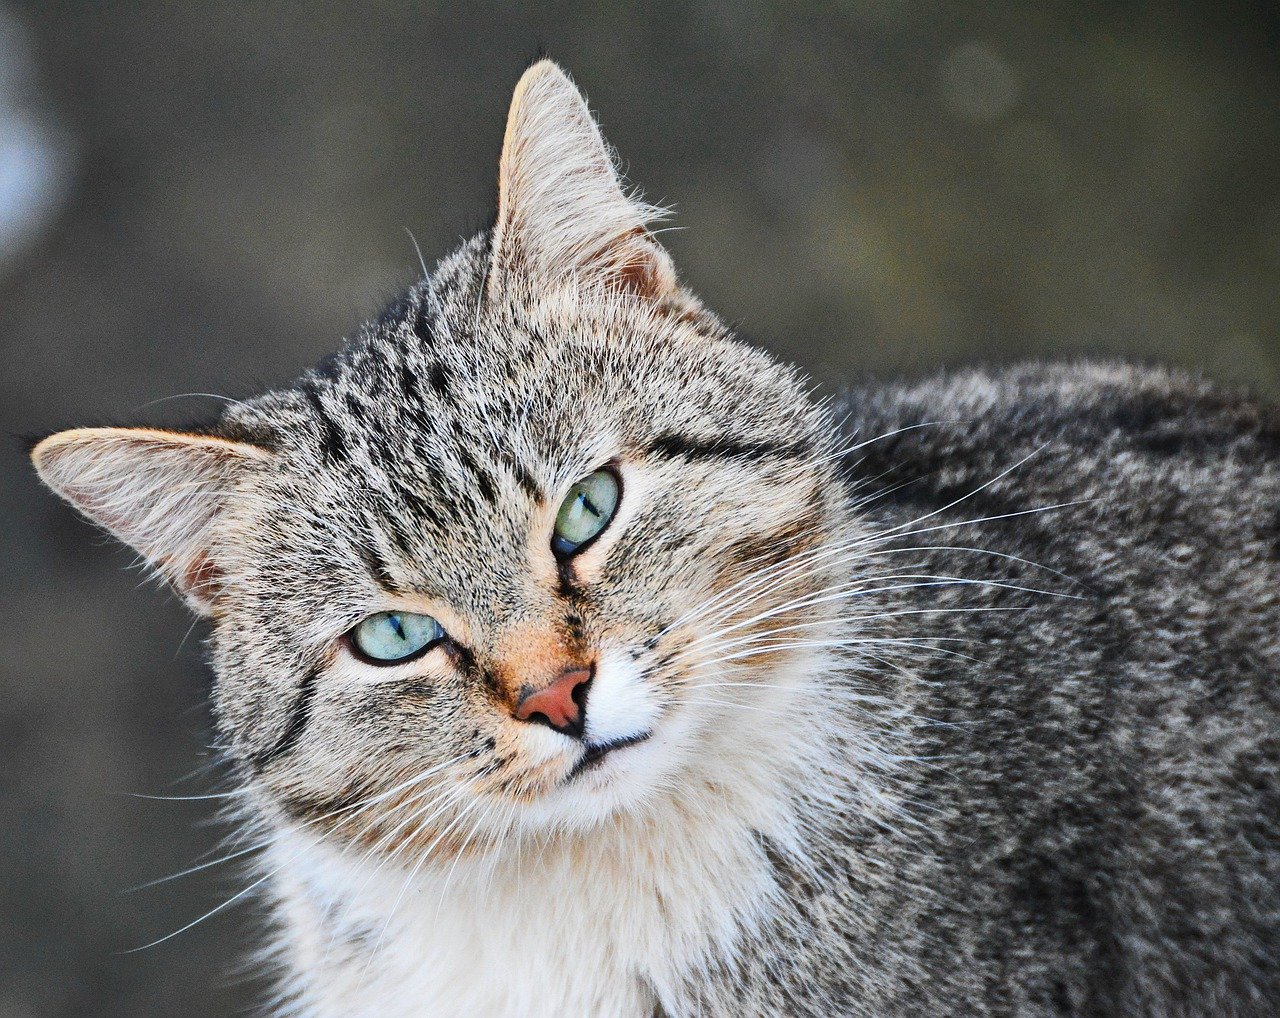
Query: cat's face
421	635
443	502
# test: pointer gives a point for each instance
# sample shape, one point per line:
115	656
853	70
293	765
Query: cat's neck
492	931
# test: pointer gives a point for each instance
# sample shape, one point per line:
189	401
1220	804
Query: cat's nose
561	705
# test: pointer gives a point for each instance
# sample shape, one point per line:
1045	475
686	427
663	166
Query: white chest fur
603	926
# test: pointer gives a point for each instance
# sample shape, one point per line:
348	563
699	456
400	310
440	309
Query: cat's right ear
158	491
563	210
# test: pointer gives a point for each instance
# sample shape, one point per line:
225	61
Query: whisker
421	261
789	566
982	487
235	794
190	395
987	519
212	912
925	643
358	808
475	827
765	634
202	866
413	873
857	589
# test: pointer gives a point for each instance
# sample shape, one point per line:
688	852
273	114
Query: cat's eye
389	638
585	512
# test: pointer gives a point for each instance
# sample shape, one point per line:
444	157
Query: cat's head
531	550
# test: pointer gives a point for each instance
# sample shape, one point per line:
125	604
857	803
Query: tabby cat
575	660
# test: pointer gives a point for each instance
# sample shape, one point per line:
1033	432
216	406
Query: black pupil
589	506
396	625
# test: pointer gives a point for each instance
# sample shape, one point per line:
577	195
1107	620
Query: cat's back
1112	790
1085	427
1139	483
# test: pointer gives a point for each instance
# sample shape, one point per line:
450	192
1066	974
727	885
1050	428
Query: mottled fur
970	709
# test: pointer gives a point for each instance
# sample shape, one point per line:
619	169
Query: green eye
585	512
391	637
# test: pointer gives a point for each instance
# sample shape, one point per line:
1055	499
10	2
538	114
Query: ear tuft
563	212
158	491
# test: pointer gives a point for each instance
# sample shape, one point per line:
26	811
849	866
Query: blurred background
204	198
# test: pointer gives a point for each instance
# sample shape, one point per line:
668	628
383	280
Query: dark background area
206	198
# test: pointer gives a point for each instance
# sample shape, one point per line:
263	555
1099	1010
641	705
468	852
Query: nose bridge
543	670
532	656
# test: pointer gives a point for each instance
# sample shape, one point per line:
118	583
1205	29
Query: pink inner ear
202	578
641	274
633	262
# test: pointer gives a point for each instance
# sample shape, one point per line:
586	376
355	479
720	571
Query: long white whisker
235	794
765	634
357	808
475	827
202	866
857	589
212	912
821	553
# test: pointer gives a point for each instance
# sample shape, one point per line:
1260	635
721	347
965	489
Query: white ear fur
562	209
158	491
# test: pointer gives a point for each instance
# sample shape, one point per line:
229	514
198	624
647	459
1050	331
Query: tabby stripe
689	448
378	566
424	323
323	807
568	585
299	715
408	383
438	376
761	550
523	478
485	483
331	440
353	406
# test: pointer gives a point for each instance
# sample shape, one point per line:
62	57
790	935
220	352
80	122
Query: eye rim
348	640
564	555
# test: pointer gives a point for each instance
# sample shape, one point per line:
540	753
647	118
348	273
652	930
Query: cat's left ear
562	210
158	491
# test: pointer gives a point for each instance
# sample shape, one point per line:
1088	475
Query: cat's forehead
542	378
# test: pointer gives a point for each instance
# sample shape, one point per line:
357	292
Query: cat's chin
627	777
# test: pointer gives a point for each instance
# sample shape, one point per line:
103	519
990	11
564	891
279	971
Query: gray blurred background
206	198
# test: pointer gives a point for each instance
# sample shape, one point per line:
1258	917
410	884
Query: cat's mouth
594	753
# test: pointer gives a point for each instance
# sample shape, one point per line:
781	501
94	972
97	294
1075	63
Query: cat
573	658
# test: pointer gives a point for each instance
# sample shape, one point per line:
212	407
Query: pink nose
561	705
